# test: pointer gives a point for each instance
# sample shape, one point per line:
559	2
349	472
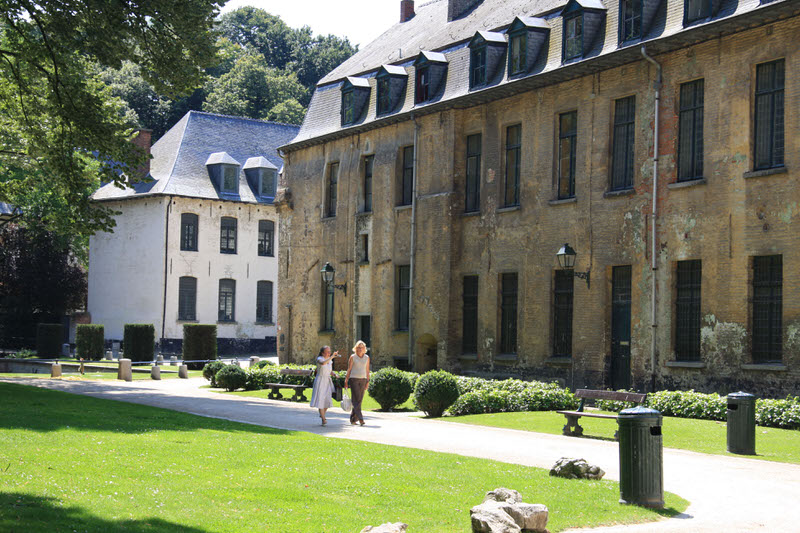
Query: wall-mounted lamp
328	275
566	260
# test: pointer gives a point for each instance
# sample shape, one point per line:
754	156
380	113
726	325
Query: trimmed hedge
199	344
49	339
500	400
90	341
257	378
231	377
435	392
138	341
210	372
390	387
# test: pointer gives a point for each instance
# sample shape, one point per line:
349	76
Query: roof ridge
221	115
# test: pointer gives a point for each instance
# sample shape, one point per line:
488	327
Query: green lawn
368	404
105	375
706	436
74	463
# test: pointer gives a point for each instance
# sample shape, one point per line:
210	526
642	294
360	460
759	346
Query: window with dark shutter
513	147
622	152
517	53
769	115
227	235
473	190
630	16
227	300
687	310
690	131
403	291
187	298
331	190
189	223
264	302
266	236
573	37
508	313
767	309
562	313
694	10
567	142
369	161
477	66
407	177
469	325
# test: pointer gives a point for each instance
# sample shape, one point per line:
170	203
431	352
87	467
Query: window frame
509	313
222	300
262	174
366	185
469	314
422	83
767	293
184	293
224	168
625	18
516	150
472	195
563	312
777	116
571	137
477	66
566	39
348	107
266	238
403	293
331	190
690	113
264	307
405	193
383	98
228	235
688	301
522	36
705	15
189	240
624	140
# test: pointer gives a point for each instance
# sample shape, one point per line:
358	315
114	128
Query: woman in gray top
357	379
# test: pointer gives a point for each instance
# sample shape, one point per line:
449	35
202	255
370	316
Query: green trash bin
742	423
641	475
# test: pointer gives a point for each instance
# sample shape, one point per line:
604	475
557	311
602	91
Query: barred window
473	192
266	236
189	223
767	309
227	300
407	177
624	133
687	310
508	313
264	301
769	115
562	313
227	235
469	326
187	298
690	131
513	148
567	142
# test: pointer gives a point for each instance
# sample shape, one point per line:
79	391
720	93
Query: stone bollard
109	355
173	361
155	372
65	350
115	350
125	373
183	372
55	370
254	361
160	359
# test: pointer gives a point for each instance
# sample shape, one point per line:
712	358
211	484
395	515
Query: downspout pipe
654	215
413	247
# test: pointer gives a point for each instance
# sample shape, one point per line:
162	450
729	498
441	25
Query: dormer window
526	38
630	17
224	172
391	85
477	70
573	37
355	95
486	58
267	183
348	108
583	20
423	84
384	96
262	176
517	53
694	10
431	73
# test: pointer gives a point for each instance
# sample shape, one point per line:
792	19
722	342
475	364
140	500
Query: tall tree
61	130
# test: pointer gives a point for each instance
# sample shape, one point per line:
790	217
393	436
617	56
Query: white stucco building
198	242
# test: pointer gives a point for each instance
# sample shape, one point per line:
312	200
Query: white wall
126	267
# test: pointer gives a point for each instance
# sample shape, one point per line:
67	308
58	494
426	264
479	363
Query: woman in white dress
323	384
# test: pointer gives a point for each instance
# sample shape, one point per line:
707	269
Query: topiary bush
231	378
199	344
390	387
90	341
49	338
435	392
210	372
138	341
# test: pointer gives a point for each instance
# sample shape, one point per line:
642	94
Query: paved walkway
726	493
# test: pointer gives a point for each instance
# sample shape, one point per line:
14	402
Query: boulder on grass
388	527
503	511
576	469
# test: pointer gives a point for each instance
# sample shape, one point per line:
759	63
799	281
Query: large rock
503	511
388	527
576	469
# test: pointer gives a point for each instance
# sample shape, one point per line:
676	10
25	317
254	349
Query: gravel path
726	493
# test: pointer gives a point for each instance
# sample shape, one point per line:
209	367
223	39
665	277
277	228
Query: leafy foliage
138	341
231	377
500	400
390	387
210	371
48	340
435	392
90	341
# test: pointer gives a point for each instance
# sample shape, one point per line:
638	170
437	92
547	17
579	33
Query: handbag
347	404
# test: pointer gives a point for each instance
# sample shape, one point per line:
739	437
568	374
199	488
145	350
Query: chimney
406	10
142	140
458	8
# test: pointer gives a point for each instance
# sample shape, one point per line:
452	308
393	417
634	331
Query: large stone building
442	168
197	242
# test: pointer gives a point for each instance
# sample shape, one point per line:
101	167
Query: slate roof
7	210
429	30
179	159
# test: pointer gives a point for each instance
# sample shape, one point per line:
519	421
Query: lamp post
329	274
566	260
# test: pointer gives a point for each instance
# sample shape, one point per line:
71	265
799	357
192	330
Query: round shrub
435	392
264	362
257	378
231	377
210	371
390	387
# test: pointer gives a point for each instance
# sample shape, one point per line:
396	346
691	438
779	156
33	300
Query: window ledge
402	207
505	357
767	367
185	250
621	192
326	331
686	364
471	214
399	332
187	321
227	253
363	214
258	323
558	361
765	172
561	201
363	263
325	219
227	322
686	183
509	208
468	357
265	255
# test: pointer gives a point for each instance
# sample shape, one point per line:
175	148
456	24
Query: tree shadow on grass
26	513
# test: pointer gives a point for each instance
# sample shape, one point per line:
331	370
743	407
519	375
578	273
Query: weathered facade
717	308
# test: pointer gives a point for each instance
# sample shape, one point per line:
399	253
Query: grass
75	463
369	404
104	375
705	436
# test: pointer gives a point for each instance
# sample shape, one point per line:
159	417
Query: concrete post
109	355
115	350
173	361
55	370
160	359
155	372
254	361
183	372
125	373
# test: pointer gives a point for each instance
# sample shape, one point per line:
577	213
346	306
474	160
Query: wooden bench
573	428
275	388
